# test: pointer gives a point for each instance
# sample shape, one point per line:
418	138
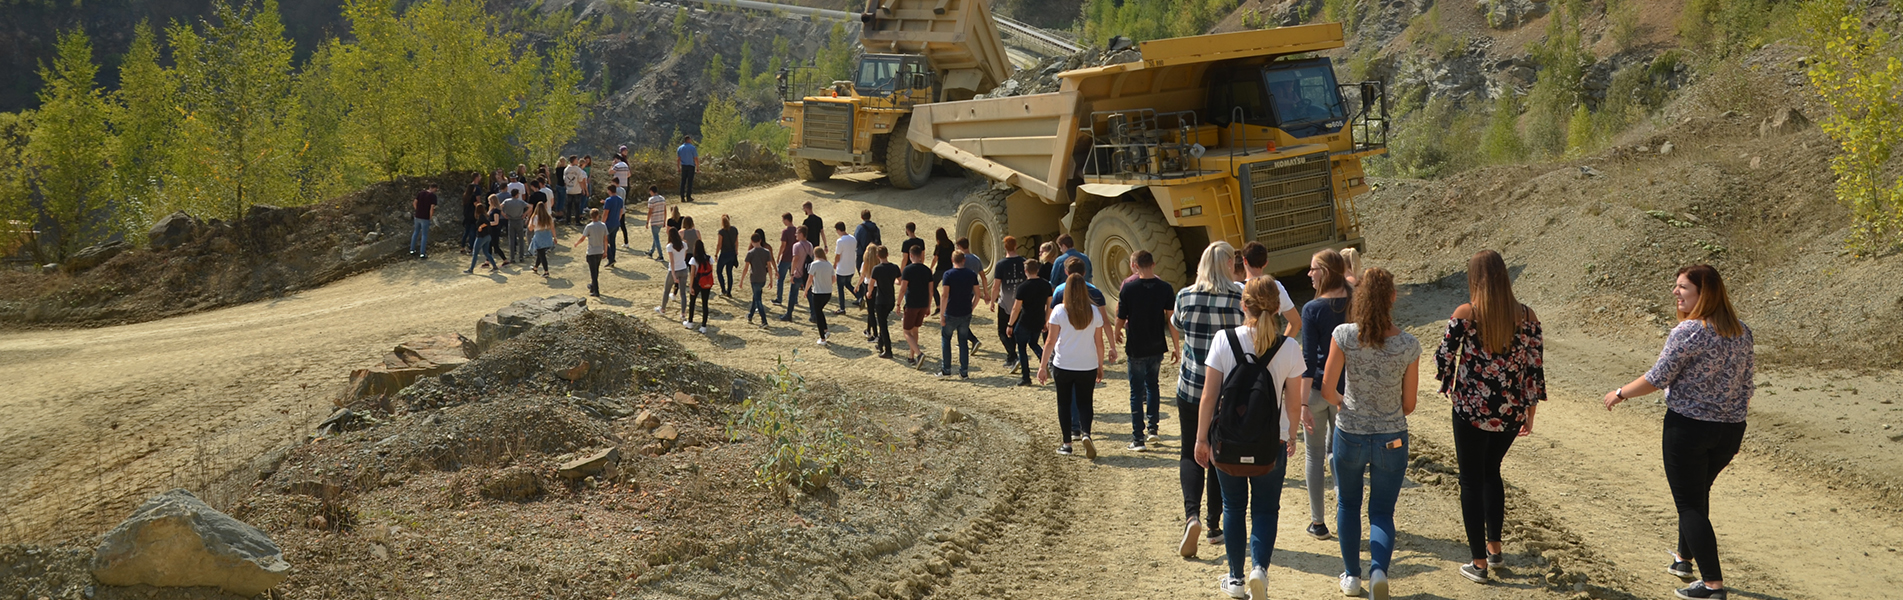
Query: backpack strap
1235	347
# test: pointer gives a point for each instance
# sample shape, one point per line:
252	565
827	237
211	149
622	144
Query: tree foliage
68	150
1151	19
145	127
1856	71
240	118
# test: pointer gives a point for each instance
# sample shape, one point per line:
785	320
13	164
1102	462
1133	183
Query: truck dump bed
958	37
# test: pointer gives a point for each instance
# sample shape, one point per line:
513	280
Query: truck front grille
827	126
1290	202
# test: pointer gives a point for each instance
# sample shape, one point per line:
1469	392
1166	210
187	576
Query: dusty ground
101	418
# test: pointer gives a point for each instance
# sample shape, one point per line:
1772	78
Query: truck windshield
876	75
1304	97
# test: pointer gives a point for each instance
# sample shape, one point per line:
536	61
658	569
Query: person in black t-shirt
1025	322
1144	308
941	262
1005	277
913	245
729	255
816	225
915	287
879	280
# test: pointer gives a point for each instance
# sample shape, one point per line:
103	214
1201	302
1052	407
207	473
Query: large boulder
93	256
175	540
173	230
412	360
1785	121
522	315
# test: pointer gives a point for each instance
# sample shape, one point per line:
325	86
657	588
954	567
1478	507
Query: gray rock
175	540
377	250
591	464
1666	148
522	315
93	256
1785	121
171	231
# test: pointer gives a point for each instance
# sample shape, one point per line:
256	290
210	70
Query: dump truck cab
1234	137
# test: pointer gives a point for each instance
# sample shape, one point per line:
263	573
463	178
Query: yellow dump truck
1232	137
916	52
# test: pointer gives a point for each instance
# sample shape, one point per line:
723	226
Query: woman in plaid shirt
1203	310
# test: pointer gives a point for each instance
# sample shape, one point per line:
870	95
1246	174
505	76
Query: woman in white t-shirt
1073	354
820	281
676	252
1254	489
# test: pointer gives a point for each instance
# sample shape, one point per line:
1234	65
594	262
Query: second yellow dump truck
1233	137
916	52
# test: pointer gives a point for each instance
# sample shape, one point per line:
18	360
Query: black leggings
701	293
1077	386
594	274
1194	477
1483	495
1695	451
541	258
818	306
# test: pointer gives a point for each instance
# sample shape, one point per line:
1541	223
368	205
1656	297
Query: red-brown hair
1714	305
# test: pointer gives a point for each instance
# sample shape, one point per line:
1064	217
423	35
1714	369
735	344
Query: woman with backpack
1327	271
1491	365
1246	430
1382	365
701	275
820	280
1074	356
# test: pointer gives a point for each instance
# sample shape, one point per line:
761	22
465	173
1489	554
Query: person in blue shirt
1069	247
613	208
688	158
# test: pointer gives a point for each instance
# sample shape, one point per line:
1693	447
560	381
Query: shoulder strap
1235	347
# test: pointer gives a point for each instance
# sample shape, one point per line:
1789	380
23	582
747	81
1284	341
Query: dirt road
98	419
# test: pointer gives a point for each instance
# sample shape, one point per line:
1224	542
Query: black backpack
1245	434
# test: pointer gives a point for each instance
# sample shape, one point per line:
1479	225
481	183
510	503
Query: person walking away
820	281
577	196
500	241
729	259
687	157
619	174
657	219
1491	366
1047	256
815	225
689	233
1006	275
1353	257
541	237
758	268
975	264
867	234
802	255
789	235
702	268
595	234
1067	250
1076	267
615	207
671	284
1382	367
559	183
485	236
1255	257
1202	311
1144	308
915	287
847	266
425	215
473	200
1239	422
1327	274
516	210
959	288
1075	361
941	262
880	286
1026	324
912	240
1706	370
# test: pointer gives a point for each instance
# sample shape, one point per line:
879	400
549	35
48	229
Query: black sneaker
1681	568
1698	591
1495	561
1474	574
1318	531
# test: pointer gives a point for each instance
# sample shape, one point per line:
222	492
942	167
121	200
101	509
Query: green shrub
806	449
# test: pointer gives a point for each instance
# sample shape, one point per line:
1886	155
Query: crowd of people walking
1257	375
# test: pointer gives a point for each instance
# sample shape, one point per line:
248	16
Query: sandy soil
100	418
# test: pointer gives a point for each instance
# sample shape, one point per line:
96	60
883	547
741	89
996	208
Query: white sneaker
1378	585
703	329
1232	586
1350	585
657	310
1259	584
687	324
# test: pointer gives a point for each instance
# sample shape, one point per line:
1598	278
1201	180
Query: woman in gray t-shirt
1382	364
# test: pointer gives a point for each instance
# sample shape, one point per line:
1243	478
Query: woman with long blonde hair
1491	365
541	237
1382	365
1073	354
1203	310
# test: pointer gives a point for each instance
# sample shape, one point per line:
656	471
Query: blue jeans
961	326
1028	351
561	200
482	248
655	250
779	289
1386	467
1143	390
577	207
793	299
756	306
611	240
419	237
469	232
1261	497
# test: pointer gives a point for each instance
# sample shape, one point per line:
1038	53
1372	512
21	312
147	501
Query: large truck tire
1118	231
812	170
905	166
981	217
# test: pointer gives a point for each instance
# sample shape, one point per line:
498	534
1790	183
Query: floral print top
1706	376
1491	391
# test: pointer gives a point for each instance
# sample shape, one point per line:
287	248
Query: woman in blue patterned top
1706	371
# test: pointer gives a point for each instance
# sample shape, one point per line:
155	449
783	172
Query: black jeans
541	259
1194	478
878	320
702	294
687	183
723	273
818	307
1483	495
1011	351
1695	451
594	274
1029	351
1074	388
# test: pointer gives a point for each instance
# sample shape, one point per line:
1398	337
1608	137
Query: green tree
145	126
476	84
1501	142
1856	71
558	107
377	80
16	182
835	58
326	164
235	92
70	147
1562	60
1579	132
721	126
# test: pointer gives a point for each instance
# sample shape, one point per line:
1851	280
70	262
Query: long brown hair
1334	270
1077	302
1490	290
1373	307
1714	305
1259	301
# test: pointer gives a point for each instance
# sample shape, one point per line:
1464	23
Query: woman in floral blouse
1706	371
1491	364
